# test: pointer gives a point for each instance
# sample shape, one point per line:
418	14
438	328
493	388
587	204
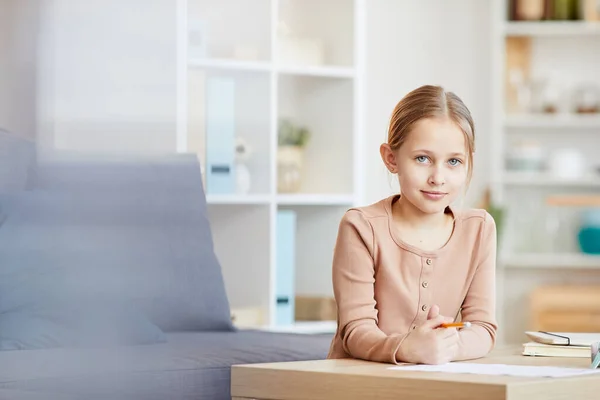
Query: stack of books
560	344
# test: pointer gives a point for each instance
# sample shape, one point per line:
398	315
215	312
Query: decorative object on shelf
290	156
586	99
565	9
285	269
247	317
298	51
556	234
220	135
529	10
567	164
315	308
197	38
518	82
591	10
589	231
522	92
548	94
497	212
525	156
243	178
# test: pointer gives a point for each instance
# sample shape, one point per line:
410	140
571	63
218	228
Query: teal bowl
589	240
589	233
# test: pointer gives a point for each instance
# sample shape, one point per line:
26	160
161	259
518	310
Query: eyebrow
449	155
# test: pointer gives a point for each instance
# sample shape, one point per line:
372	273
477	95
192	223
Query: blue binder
220	135
285	268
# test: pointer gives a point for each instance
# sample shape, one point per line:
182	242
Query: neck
411	216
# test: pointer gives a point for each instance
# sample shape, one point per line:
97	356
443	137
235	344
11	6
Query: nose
437	177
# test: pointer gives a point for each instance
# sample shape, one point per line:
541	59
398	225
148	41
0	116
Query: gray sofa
110	289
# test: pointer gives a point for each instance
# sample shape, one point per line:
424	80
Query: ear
389	158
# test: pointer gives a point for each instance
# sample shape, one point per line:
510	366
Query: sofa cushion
17	160
188	366
6	394
91	322
132	228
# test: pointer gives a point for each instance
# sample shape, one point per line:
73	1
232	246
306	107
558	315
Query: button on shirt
384	286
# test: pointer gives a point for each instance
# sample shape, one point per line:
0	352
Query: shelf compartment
251	123
316	32
244	262
210	37
315	236
325	107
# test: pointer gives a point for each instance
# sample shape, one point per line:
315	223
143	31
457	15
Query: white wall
5	12
411	43
18	34
109	70
111	73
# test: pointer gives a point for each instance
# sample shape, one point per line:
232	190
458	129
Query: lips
433	195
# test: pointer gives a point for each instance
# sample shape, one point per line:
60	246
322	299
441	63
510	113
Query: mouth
434	195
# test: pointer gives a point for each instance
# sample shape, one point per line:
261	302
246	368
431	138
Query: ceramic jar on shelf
589	231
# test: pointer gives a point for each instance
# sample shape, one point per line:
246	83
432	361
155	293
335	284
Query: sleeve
480	302
353	285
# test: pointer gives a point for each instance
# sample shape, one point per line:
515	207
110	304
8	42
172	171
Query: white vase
290	163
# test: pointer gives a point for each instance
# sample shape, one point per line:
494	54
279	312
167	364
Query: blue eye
454	162
421	159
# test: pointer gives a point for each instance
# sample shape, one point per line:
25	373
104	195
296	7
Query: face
431	164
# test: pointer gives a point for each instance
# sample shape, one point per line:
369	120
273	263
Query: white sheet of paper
499	369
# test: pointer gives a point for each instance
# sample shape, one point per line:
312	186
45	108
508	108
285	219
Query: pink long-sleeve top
384	286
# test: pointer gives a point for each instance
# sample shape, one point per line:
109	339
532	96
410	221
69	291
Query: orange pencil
456	325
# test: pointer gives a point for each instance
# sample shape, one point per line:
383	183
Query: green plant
498	214
496	211
291	135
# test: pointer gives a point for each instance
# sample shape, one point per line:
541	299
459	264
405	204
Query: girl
409	263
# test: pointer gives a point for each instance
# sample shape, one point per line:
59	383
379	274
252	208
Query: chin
431	206
426	208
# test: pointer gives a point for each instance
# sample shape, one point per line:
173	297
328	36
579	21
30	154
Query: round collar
414	249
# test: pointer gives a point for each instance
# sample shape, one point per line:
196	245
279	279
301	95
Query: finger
434	311
433	323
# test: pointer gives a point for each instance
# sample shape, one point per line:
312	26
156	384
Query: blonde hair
430	101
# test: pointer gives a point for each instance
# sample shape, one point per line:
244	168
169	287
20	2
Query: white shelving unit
551	261
572	49
551	28
589	123
591	180
242	41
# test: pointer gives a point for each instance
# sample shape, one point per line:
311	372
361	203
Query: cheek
413	175
457	176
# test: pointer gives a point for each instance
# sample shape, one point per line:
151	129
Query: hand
429	344
434	312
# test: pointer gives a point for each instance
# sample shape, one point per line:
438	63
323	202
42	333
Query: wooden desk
359	380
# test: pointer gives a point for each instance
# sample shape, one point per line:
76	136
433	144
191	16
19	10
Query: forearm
475	342
364	340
